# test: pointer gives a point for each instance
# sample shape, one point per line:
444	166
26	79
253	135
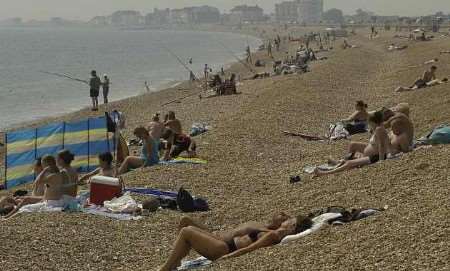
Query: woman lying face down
244	239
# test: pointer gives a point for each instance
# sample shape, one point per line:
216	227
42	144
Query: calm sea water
128	57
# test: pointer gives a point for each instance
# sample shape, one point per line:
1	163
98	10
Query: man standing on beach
94	84
269	49
105	86
249	54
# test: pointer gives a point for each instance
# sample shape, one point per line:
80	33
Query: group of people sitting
167	136
223	87
383	143
55	180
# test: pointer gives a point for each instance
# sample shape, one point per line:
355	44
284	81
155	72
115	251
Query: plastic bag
125	204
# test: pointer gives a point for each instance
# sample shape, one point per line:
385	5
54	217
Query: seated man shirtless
427	77
53	181
402	135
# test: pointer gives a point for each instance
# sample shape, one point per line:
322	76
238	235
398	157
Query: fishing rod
237	58
65	76
178	59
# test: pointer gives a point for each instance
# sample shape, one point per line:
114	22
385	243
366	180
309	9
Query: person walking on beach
105	85
249	54
94	84
269	49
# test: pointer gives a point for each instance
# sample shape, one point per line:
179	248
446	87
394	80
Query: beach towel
181	160
101	211
318	223
198	129
43	207
193	264
324	167
152	192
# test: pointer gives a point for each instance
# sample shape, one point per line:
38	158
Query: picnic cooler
104	189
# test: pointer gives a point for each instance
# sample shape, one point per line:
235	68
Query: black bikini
253	235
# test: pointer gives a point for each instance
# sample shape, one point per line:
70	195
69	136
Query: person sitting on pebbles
244	239
357	122
362	154
149	154
177	144
105	167
402	129
54	182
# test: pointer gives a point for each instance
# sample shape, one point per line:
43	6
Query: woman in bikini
362	154
244	239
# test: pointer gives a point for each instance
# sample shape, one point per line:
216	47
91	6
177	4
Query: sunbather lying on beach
402	129
357	122
422	82
105	167
377	149
149	154
244	239
54	182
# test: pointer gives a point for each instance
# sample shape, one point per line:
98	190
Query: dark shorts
420	83
94	93
375	159
356	128
178	148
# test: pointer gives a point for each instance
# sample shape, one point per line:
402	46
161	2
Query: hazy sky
85	9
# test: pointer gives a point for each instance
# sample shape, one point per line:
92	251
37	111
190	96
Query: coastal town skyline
85	10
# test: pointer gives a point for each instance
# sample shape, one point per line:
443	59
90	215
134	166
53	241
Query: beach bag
440	135
201	205
168	203
185	201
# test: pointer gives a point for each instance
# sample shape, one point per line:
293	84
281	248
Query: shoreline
165	87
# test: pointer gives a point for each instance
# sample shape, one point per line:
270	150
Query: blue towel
152	192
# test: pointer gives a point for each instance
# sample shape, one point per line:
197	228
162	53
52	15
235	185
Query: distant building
127	18
246	13
310	11
12	21
286	11
180	16
158	17
205	14
99	21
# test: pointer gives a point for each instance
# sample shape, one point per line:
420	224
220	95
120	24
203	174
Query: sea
129	57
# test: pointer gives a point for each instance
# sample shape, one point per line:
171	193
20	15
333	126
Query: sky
86	9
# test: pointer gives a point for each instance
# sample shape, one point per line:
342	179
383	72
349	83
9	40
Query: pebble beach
250	161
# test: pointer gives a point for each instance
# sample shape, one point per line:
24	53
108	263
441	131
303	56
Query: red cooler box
104	189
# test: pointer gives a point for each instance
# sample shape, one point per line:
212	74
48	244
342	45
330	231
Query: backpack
439	135
185	201
188	204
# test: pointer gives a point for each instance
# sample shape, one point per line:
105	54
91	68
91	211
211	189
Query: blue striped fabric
85	139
